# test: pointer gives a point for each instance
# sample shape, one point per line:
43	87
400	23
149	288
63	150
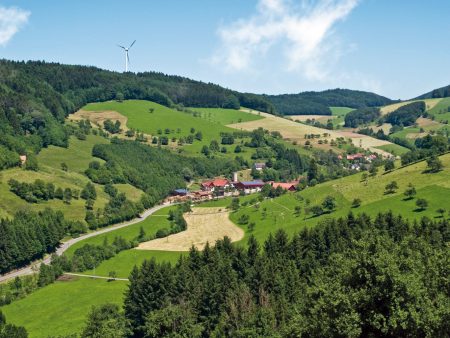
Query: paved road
33	267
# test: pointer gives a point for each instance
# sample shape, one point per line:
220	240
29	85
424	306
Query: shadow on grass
419	209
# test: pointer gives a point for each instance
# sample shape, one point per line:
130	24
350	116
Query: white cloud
12	19
302	27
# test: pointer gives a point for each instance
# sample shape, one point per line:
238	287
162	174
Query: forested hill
35	97
311	103
436	93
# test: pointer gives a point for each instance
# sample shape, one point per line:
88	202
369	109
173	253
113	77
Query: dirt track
203	225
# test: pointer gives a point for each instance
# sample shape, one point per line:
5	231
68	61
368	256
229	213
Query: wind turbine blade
132	44
121	46
128	58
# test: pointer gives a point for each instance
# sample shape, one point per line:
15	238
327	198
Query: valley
161	189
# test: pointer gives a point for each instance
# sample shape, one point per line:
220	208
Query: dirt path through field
203	225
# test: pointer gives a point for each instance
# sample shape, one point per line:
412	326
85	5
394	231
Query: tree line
352	277
312	103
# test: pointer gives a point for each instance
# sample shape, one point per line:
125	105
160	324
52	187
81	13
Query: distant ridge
436	93
310	103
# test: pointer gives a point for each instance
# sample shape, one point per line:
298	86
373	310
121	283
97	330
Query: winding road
34	266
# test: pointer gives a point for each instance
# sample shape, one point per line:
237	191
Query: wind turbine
127	58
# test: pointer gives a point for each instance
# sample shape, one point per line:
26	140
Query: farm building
353	157
180	192
289	186
201	195
220	184
250	186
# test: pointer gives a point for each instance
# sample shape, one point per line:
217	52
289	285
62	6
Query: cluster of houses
357	160
224	187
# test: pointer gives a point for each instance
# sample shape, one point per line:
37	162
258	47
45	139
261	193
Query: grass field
440	110
61	308
151	225
394	149
77	157
179	123
340	113
225	116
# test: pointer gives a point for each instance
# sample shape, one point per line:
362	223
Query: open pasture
157	120
225	116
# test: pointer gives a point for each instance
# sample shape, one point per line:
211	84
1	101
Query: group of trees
362	116
406	115
312	103
41	191
155	171
112	127
28	236
428	146
345	277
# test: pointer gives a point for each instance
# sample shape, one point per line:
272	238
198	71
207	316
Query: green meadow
394	149
340	113
77	157
61	308
225	116
151	225
441	110
149	117
279	213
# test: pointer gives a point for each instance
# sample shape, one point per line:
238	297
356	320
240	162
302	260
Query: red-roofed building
249	187
216	184
355	156
290	186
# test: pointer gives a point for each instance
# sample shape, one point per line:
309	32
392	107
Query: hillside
35	98
436	93
271	215
318	103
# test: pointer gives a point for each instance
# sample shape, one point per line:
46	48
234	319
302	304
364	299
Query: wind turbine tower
127	58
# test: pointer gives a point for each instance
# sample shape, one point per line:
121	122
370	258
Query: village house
357	156
289	186
259	166
23	159
219	186
250	187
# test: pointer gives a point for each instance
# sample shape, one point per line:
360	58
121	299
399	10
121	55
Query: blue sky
396	48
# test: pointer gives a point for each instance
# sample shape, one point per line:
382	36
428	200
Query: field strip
94	276
430	104
203	225
294	131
